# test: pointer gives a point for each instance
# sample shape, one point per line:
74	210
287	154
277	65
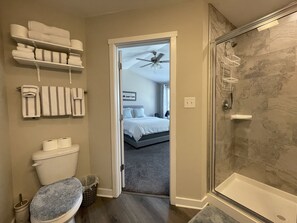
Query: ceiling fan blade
164	61
159	57
146	65
143	60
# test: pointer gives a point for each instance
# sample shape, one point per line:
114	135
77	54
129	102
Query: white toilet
60	197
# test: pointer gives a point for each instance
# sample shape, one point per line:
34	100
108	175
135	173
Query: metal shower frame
291	8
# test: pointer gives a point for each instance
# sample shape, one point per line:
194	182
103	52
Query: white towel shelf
41	63
46	45
241	117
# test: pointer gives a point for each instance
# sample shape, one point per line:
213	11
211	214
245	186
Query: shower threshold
273	204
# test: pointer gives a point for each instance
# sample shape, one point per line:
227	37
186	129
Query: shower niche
254	117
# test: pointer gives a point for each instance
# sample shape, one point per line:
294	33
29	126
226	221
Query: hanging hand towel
30	101
67	101
78	102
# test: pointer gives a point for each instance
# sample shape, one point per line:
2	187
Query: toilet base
72	220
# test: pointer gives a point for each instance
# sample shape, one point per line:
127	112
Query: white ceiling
89	8
130	63
241	12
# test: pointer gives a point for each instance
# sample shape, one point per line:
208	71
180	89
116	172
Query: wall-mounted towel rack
19	89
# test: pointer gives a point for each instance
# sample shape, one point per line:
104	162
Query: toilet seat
57	202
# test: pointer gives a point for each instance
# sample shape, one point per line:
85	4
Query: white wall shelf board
41	63
241	117
46	45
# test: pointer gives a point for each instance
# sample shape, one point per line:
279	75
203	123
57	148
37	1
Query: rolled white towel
47	55
22	54
51	30
56	57
63	58
24	49
39	54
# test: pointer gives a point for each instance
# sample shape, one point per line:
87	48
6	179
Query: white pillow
127	113
138	112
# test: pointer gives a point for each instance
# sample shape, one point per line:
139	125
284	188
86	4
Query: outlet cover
189	102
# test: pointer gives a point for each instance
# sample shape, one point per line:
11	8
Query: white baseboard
191	203
104	192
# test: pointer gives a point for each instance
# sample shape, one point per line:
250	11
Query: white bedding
137	127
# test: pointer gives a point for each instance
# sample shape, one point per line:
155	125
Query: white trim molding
104	192
169	37
191	203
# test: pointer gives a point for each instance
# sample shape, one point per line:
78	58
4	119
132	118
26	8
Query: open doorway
117	138
145	106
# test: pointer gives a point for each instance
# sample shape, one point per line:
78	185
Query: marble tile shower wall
265	148
219	26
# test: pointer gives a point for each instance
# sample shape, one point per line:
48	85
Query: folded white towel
75	62
24	49
51	30
49	38
30	101
77	102
26	46
74	58
22	54
38	36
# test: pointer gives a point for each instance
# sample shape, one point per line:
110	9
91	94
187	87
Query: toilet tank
55	165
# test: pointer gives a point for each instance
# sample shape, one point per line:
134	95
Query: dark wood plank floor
133	208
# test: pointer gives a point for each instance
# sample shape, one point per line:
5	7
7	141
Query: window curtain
165	99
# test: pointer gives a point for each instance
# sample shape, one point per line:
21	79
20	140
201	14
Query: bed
140	130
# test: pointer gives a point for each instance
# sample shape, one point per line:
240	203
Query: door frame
114	44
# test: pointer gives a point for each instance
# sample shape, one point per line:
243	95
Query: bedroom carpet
147	169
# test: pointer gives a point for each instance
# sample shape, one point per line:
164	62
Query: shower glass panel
255	120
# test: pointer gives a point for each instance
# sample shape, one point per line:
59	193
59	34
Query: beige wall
148	92
188	19
6	204
26	135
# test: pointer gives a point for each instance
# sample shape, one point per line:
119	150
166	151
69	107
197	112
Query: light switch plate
189	102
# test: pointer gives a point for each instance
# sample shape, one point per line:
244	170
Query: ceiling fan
155	60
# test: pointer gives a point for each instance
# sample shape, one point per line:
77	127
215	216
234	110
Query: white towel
30	101
61	101
47	55
22	54
75	62
77	102
67	101
26	46
25	49
39	54
49	38
45	102
55	101
51	30
63	58
38	36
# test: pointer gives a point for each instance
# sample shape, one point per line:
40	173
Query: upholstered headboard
133	106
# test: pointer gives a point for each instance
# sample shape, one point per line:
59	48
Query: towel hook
38	71
70	77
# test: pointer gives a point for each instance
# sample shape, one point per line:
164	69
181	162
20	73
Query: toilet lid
54	200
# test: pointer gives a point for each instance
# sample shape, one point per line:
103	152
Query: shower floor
273	204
